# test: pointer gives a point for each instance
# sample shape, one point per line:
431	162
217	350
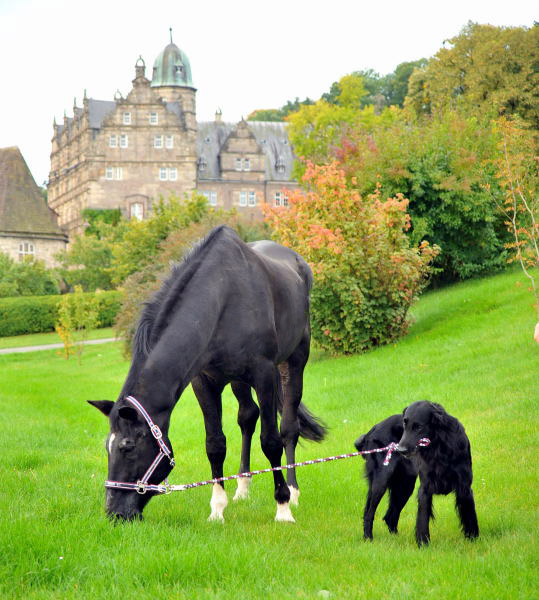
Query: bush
38	314
366	273
27	278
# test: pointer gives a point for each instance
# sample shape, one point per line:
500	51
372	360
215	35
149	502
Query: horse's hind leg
292	380
247	417
268	388
208	393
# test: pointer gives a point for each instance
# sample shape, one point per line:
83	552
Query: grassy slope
471	349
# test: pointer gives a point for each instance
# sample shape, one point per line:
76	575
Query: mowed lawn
471	349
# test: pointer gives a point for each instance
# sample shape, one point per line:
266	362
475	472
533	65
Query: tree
366	273
29	277
485	69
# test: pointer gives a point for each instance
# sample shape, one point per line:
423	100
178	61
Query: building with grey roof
128	152
28	227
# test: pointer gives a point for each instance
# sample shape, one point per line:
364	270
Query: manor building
128	152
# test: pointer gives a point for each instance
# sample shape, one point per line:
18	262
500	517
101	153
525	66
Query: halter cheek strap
142	486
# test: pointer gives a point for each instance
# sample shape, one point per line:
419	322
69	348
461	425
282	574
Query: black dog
398	476
444	466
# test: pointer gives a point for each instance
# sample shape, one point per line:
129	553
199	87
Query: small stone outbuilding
28	227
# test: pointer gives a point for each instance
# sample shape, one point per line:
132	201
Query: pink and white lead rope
390	449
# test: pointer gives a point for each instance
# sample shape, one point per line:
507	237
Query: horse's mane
157	311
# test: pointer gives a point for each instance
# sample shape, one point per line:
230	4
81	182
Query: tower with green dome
172	80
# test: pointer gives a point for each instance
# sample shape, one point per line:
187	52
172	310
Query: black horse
230	312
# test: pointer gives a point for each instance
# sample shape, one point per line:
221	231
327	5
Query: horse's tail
310	427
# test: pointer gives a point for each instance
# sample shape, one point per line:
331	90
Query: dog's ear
438	417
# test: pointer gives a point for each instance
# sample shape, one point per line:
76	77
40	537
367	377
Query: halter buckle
141	488
156	432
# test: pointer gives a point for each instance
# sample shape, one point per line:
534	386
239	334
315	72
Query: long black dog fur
444	467
398	476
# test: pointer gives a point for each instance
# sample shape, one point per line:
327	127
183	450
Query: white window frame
280	199
246	164
163	174
124	140
127	118
238	164
211	197
173	174
109	173
158	141
251	198
113	141
169	141
26	249
154	118
136	211
243	199
113	173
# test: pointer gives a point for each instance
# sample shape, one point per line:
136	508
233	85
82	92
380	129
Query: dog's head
421	420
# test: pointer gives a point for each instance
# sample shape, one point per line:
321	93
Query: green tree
29	277
485	69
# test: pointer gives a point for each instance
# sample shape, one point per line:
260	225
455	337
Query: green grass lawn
471	349
38	339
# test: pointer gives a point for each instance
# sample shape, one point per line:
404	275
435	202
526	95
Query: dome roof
172	68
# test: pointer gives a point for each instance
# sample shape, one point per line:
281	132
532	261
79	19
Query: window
169	141
202	163
153	118
157	141
212	198
243	199
252	198
113	173
123	140
26	249
238	164
280	166
113	141
127	118
136	211
168	174
246	164
281	199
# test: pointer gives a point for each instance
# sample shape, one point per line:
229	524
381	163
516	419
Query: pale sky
244	55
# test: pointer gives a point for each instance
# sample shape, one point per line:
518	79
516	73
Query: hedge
38	314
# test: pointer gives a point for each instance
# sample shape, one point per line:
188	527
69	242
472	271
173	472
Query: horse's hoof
284	513
216	517
294	495
242	491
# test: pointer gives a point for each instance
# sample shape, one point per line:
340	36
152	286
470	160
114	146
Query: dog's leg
466	508
424	514
401	488
377	489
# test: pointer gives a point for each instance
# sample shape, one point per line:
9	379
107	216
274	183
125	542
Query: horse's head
132	449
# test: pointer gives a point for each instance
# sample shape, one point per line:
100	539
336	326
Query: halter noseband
142	486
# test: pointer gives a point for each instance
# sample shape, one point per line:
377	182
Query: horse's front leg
208	394
247	417
268	388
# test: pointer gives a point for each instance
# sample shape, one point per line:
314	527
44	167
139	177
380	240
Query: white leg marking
218	503
111	439
284	513
242	491
294	495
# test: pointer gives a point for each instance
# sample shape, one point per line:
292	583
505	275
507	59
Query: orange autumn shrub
366	273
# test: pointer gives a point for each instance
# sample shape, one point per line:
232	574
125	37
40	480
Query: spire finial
170	30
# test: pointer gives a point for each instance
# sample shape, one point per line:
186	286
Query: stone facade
129	152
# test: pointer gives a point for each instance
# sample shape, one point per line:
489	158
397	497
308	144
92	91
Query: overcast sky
244	54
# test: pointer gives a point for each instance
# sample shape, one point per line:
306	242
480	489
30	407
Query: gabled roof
271	137
22	207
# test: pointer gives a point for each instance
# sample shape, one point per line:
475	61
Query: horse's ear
105	406
128	413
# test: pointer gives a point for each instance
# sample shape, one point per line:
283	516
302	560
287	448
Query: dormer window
179	69
127	118
246	164
238	164
280	166
202	163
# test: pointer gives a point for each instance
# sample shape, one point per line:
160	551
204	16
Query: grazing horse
230	312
